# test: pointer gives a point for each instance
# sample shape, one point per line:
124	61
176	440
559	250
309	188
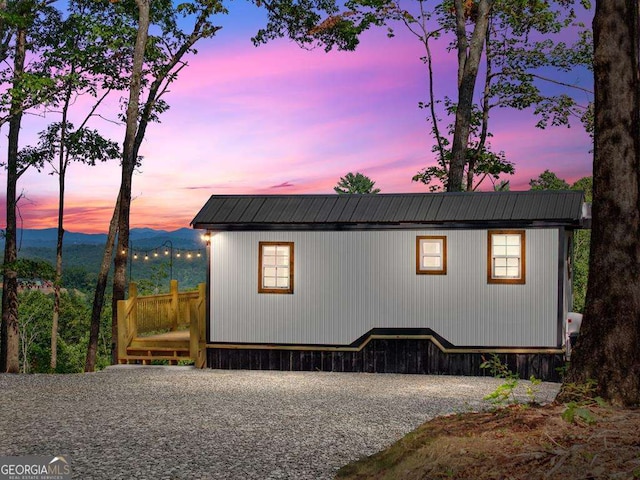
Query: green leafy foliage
481	162
28	268
580	398
505	393
35	308
573	411
355	184
82	145
548	180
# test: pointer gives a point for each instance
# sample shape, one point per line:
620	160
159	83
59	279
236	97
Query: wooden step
147	360
158	344
158	352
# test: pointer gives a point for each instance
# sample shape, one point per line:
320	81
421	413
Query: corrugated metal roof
238	212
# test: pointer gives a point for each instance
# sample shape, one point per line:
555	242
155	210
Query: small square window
431	255
275	267
506	256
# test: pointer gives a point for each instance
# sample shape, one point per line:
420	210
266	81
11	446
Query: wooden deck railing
155	315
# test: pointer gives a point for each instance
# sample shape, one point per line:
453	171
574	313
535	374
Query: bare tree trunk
129	158
486	107
608	348
10	360
62	167
469	56
98	298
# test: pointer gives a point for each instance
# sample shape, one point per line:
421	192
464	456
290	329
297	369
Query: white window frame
275	269
439	252
506	251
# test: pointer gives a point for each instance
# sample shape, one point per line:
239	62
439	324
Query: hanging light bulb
135	256
155	254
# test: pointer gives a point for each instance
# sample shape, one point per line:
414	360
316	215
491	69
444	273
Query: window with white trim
275	267
506	261
431	255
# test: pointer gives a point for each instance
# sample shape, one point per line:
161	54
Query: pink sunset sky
278	119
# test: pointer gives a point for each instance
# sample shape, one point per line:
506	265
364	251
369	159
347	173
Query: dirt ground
515	442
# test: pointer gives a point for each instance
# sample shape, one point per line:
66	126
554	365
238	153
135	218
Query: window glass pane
269	250
513	262
513	239
269	260
431	262
431	247
283	272
283	251
269	272
269	282
500	272
513	272
283	260
283	282
499	239
500	262
499	250
513	250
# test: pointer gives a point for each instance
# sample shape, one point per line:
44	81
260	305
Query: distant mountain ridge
185	238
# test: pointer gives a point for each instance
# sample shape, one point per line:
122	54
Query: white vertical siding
347	283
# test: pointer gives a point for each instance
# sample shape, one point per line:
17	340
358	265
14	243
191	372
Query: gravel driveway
182	423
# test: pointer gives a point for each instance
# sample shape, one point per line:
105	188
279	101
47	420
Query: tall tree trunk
98	298
486	107
608	348
469	56
10	335
129	158
62	169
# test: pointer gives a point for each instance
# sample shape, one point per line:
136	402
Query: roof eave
247	227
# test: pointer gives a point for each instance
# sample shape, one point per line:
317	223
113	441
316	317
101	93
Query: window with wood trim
431	255
275	267
506	262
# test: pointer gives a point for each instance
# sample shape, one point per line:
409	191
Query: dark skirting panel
385	356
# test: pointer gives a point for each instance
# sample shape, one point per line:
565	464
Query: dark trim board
387	354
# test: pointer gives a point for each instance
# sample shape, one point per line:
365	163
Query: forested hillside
180	253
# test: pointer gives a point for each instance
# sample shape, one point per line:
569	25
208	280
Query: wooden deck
180	315
171	346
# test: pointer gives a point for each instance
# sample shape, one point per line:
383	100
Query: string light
152	253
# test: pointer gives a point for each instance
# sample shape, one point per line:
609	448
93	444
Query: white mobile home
416	283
